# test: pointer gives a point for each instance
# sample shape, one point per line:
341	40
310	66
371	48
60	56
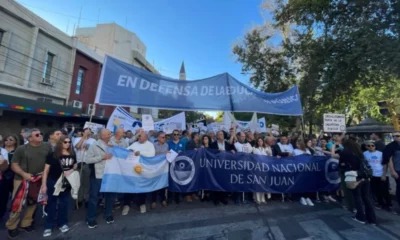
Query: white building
36	59
116	41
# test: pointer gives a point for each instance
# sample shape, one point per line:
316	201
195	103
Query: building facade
85	79
118	42
36	62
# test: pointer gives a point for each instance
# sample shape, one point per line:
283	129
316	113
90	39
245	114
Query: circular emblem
182	170
332	171
138	169
342	128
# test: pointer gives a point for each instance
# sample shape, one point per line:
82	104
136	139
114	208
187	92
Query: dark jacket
276	151
191	145
228	147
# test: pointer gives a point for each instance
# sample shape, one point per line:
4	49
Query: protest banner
334	122
126	85
94	127
120	118
213	170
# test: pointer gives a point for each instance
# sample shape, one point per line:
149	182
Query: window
101	112
79	80
48	65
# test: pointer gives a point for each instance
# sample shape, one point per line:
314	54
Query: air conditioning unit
47	81
77	104
91	109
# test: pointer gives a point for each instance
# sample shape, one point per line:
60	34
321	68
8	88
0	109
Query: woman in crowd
11	143
206	141
260	149
301	149
379	179
309	146
350	159
60	163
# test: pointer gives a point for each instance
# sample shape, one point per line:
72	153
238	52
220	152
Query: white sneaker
143	208
330	198
125	210
47	233
64	229
303	201
326	199
309	202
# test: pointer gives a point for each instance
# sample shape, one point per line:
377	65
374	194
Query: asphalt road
274	221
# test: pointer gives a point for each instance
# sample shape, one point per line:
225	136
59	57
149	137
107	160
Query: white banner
178	121
120	118
94	127
253	125
334	122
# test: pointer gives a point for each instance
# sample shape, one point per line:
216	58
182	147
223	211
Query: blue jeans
109	199
57	206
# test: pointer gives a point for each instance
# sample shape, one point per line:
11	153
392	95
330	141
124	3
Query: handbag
365	169
35	184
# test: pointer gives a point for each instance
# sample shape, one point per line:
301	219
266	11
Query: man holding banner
97	155
145	148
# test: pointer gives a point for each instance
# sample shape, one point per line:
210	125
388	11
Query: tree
337	51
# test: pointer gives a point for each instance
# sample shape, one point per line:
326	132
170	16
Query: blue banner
206	169
126	85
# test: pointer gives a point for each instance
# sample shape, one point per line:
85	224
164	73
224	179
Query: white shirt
221	146
375	161
4	154
243	147
260	151
286	147
80	153
146	149
298	152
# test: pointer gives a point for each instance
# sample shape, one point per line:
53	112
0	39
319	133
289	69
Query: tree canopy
344	55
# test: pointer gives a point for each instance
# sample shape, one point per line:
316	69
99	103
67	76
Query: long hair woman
11	143
60	163
206	141
350	158
260	149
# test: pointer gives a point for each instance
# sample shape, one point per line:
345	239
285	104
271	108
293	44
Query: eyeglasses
396	136
67	142
370	145
38	135
176	134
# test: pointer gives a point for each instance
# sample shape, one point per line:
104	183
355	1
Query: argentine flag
127	173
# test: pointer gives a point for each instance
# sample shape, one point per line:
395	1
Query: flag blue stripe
117	183
121	153
152	160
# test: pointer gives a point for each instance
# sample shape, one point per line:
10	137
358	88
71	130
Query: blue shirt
330	145
177	147
184	141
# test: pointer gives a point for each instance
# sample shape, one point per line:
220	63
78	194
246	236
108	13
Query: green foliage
345	55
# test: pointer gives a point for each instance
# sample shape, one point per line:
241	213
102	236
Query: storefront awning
12	103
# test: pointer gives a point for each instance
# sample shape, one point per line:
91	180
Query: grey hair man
97	155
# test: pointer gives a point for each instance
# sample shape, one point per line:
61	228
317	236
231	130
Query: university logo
182	170
332	171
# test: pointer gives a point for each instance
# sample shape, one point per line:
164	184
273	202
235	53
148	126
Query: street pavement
204	221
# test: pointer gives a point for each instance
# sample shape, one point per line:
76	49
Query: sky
199	32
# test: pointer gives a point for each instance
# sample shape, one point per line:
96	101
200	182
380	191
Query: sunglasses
370	145
396	136
67	142
162	137
176	134
38	135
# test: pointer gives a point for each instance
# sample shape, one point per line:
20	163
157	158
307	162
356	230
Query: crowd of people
66	158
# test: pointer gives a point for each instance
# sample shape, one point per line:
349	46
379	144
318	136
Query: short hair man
28	160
